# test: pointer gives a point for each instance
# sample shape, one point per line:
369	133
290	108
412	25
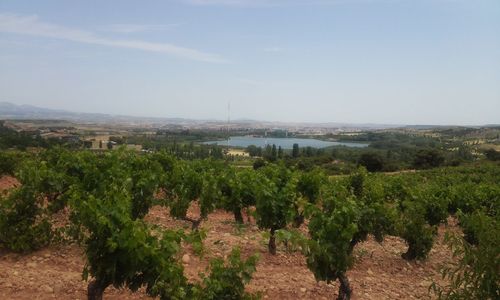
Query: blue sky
377	61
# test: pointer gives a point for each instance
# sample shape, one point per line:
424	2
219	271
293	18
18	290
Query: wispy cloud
134	28
31	25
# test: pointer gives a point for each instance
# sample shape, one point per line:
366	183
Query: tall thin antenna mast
228	121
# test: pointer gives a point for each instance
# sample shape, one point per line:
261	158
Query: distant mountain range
10	111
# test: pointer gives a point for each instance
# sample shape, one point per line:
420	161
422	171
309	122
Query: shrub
274	200
332	230
416	232
23	225
227	280
8	162
373	162
475	275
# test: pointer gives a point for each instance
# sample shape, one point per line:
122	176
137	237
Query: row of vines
107	195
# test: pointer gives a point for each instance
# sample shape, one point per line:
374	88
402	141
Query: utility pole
228	121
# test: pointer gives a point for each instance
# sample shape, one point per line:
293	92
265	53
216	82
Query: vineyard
159	226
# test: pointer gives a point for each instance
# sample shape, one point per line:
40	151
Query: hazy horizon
432	62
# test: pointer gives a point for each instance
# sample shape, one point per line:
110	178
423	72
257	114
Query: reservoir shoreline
285	143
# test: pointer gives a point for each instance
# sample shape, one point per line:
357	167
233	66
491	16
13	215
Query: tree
464	152
274	153
373	162
308	151
428	158
492	154
280	152
295	150
258	163
254	151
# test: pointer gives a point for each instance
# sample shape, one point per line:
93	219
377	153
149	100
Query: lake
285	143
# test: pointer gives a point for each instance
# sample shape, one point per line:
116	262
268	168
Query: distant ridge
10	111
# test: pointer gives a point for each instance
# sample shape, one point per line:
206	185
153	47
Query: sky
355	61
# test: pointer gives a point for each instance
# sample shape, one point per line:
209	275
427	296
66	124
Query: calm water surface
285	143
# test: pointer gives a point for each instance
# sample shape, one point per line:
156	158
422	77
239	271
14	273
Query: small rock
47	288
8	285
47	255
425	283
16	273
186	259
369	272
226	234
31	265
303	290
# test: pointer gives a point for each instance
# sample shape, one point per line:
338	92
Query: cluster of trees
387	151
273	153
345	160
110	193
492	154
10	138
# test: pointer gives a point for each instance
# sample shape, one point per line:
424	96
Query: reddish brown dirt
7	182
379	271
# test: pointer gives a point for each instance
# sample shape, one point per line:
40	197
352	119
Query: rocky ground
379	271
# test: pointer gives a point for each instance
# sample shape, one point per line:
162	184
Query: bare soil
379	271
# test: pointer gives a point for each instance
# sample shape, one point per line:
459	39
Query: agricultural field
250	149
125	225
